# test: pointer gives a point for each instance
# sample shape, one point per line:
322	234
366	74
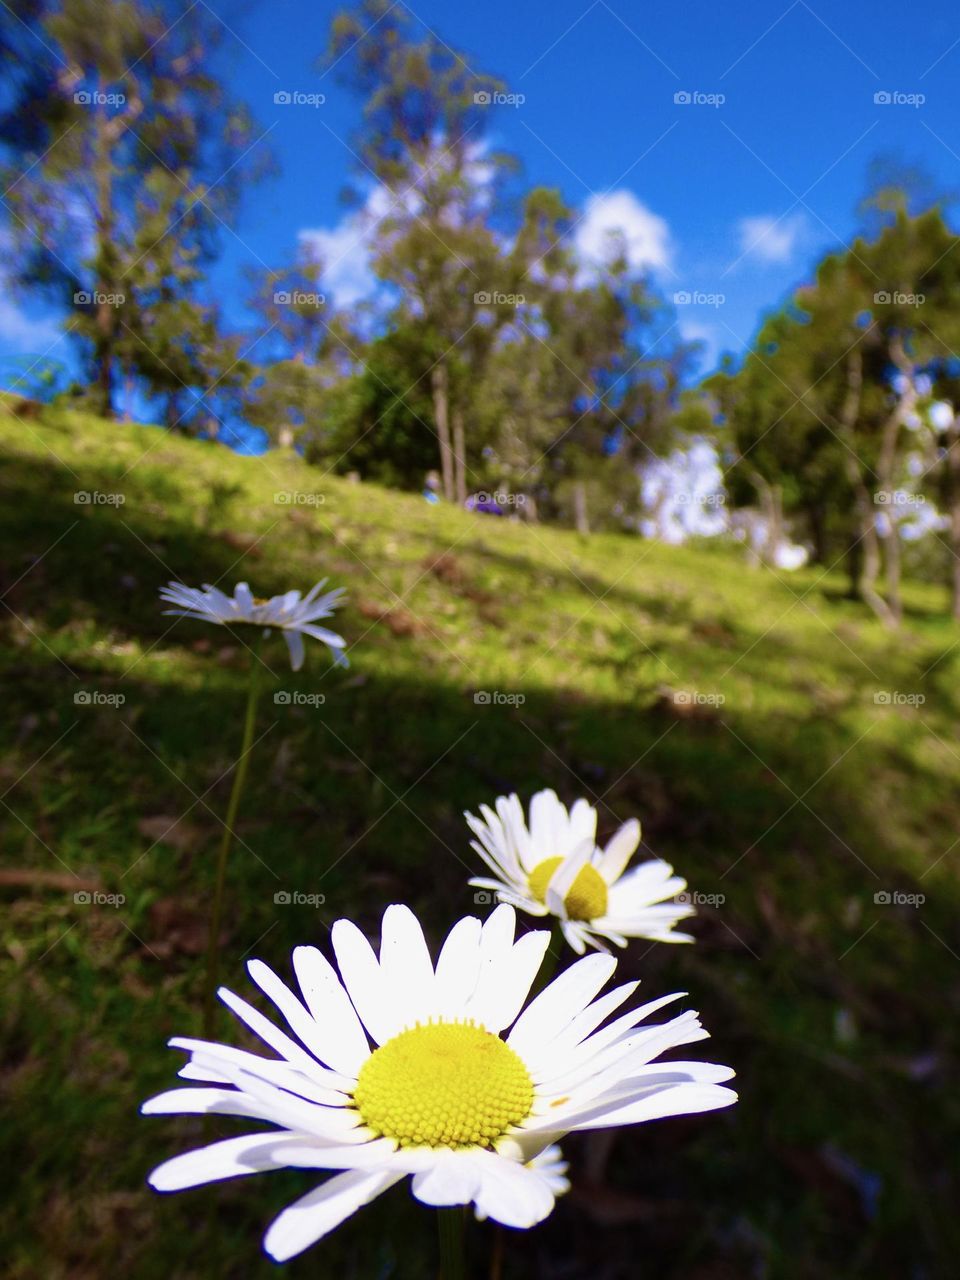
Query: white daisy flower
293	615
554	867
394	1067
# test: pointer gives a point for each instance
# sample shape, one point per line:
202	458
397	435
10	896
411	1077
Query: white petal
680	1100
452	1178
232	1158
511	1193
405	967
343	1041
507	981
620	849
560	1002
264	1028
360	973
458	968
311	1217
295	645
301	1023
561	882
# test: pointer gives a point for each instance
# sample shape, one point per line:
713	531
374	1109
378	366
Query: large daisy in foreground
290	613
554	867
394	1068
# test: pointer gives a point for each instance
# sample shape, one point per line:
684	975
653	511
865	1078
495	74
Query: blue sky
735	198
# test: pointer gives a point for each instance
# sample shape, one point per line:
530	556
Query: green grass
797	799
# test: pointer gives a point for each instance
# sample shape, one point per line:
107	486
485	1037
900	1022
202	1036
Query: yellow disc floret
443	1084
587	898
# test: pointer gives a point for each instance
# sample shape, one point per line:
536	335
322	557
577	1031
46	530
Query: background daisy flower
293	615
394	1067
554	867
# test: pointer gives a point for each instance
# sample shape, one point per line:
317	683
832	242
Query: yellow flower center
443	1084
587	898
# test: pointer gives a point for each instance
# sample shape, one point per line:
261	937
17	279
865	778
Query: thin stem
450	1231
555	948
226	843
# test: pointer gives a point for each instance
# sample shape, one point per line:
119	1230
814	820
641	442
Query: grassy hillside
809	765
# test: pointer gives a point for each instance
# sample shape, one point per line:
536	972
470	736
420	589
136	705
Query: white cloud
646	236
769	239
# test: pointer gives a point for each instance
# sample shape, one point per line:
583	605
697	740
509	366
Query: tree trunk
580	517
441	403
459	456
106	319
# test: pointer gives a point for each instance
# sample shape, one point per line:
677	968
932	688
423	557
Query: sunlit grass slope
791	758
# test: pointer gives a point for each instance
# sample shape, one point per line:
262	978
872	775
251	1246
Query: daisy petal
316	1214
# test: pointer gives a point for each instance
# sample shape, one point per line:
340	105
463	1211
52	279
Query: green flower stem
226	843
450	1229
555	948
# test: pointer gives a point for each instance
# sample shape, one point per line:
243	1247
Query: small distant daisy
554	867
290	613
394	1067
